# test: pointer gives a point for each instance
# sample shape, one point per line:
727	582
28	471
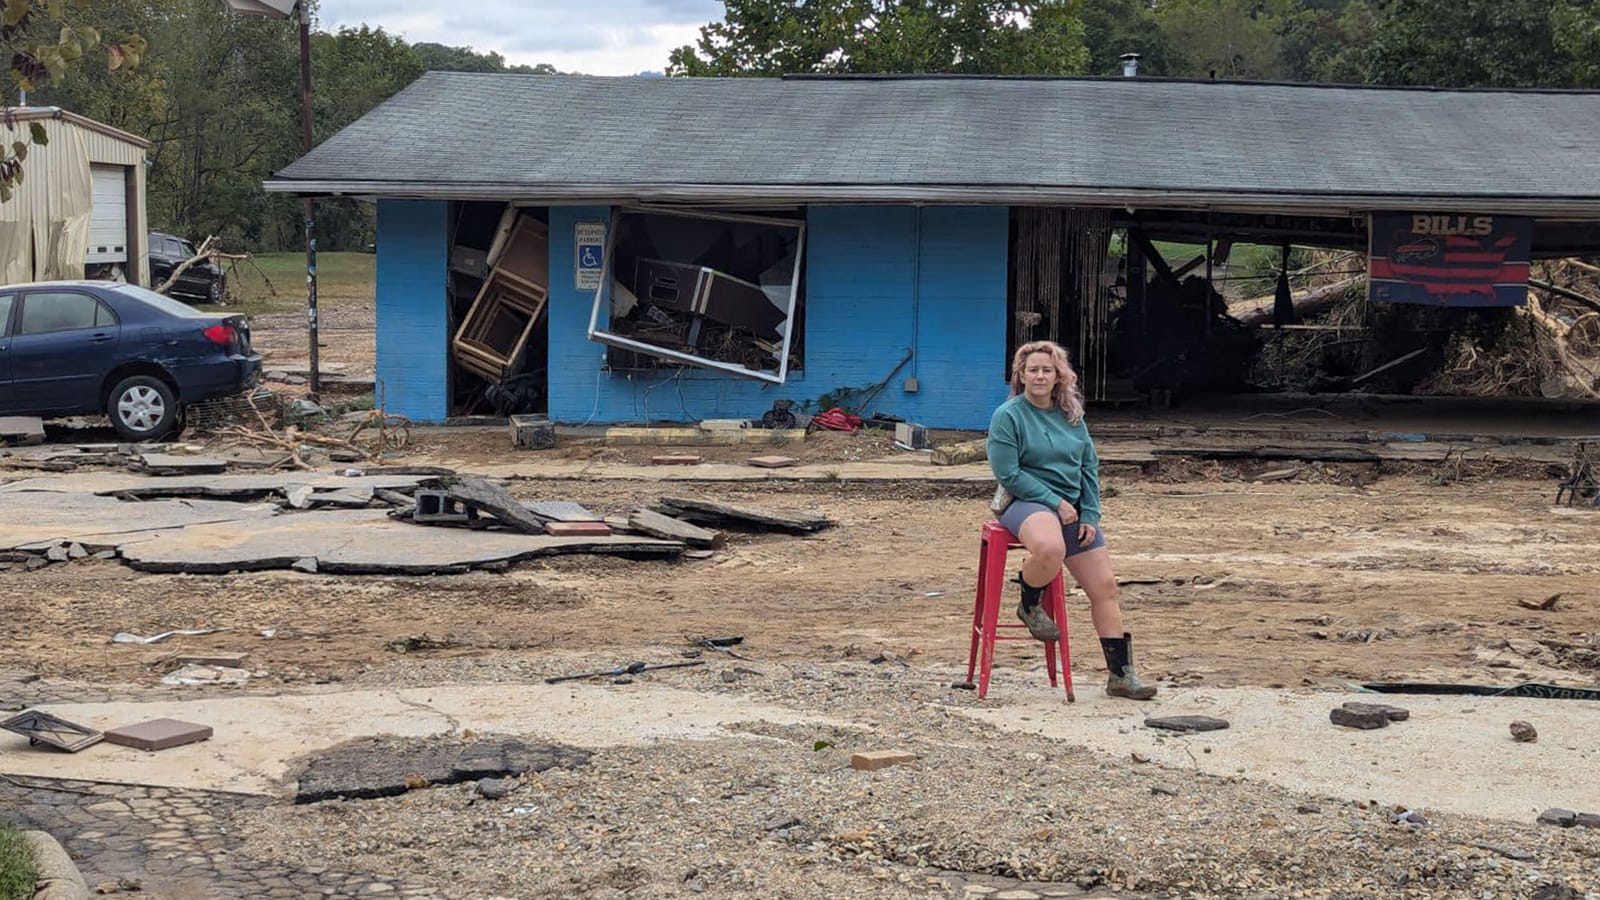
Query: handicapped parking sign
589	253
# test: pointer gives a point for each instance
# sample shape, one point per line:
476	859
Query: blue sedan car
72	348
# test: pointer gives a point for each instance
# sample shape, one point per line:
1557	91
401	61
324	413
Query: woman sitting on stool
1042	454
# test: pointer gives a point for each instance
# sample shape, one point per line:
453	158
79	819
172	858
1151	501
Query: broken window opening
498	292
702	289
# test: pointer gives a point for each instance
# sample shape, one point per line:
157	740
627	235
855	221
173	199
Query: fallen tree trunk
207	248
1572	295
1583	376
1307	304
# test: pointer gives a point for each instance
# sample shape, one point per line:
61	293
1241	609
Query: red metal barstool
994	542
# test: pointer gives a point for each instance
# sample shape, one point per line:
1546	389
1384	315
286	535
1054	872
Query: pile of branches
377	435
1551	348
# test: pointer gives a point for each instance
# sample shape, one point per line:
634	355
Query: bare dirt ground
1345	574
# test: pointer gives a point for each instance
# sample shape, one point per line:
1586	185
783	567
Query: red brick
873	760
578	529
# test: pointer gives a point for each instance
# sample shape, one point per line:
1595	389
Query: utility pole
297	9
310	204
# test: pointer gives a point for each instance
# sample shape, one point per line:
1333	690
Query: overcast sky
596	37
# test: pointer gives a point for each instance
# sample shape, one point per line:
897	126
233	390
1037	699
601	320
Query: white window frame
601	294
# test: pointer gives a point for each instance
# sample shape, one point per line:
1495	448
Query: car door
7	401
63	343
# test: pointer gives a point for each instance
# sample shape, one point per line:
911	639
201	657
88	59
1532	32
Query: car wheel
217	291
142	408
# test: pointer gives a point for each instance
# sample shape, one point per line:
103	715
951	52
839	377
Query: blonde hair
1066	393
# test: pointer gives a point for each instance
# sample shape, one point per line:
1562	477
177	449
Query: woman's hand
1087	534
1067	512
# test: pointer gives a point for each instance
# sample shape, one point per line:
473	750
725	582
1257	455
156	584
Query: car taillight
220	334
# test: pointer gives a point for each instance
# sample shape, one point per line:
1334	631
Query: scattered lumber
1307	304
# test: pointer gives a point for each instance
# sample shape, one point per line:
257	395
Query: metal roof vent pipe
1130	65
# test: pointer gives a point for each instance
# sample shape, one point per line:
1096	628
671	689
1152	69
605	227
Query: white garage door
108	225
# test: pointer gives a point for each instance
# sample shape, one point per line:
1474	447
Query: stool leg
1058	611
1055	616
977	608
994	580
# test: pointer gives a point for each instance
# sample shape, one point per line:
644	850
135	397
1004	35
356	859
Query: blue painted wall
412	310
879	281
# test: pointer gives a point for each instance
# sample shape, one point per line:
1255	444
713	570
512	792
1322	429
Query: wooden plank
961	454
485	497
705	511
655	524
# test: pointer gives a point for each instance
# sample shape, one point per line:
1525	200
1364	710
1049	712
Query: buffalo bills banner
1449	259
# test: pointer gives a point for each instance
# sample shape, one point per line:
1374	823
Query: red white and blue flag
1449	259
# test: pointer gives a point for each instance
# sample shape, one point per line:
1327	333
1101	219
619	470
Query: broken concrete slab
359	542
675	459
561	511
773	462
387	767
653	523
1186	724
21	430
578	529
494	500
1392	713
728	515
39	519
170	464
158	734
216	487
258	738
347	498
1364	719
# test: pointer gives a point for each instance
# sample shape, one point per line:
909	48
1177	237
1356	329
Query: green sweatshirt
1039	456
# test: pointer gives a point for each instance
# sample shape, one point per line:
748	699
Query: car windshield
166	304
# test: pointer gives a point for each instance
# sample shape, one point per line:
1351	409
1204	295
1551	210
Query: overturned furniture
493	337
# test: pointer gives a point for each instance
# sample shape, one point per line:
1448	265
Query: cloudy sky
596	37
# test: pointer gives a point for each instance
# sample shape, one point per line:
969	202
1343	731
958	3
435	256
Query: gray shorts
1019	511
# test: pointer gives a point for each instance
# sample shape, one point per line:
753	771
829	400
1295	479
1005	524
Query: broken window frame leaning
602	294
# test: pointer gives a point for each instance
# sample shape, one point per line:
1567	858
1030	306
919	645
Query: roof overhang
1569	208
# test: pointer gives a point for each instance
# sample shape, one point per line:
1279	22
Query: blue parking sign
589	253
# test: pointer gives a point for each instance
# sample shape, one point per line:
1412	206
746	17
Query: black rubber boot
1032	614
1124	682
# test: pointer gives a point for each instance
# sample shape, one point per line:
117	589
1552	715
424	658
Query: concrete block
873	760
772	462
158	734
532	433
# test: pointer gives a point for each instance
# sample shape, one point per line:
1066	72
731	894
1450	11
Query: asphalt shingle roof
898	138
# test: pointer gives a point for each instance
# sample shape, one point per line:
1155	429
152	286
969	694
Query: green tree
1483	43
439	58
43	42
775	37
1231	39
1115	27
1328	42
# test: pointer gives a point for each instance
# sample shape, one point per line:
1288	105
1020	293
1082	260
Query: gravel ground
771	812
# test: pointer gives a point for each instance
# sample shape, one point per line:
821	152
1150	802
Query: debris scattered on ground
772	462
1186	723
1367	719
206	675
723	515
1523	732
387	767
126	637
40	727
1392	713
961	454
532	433
650	522
158	734
21	430
419	643
1545	605
633	668
163	464
873	760
676	459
